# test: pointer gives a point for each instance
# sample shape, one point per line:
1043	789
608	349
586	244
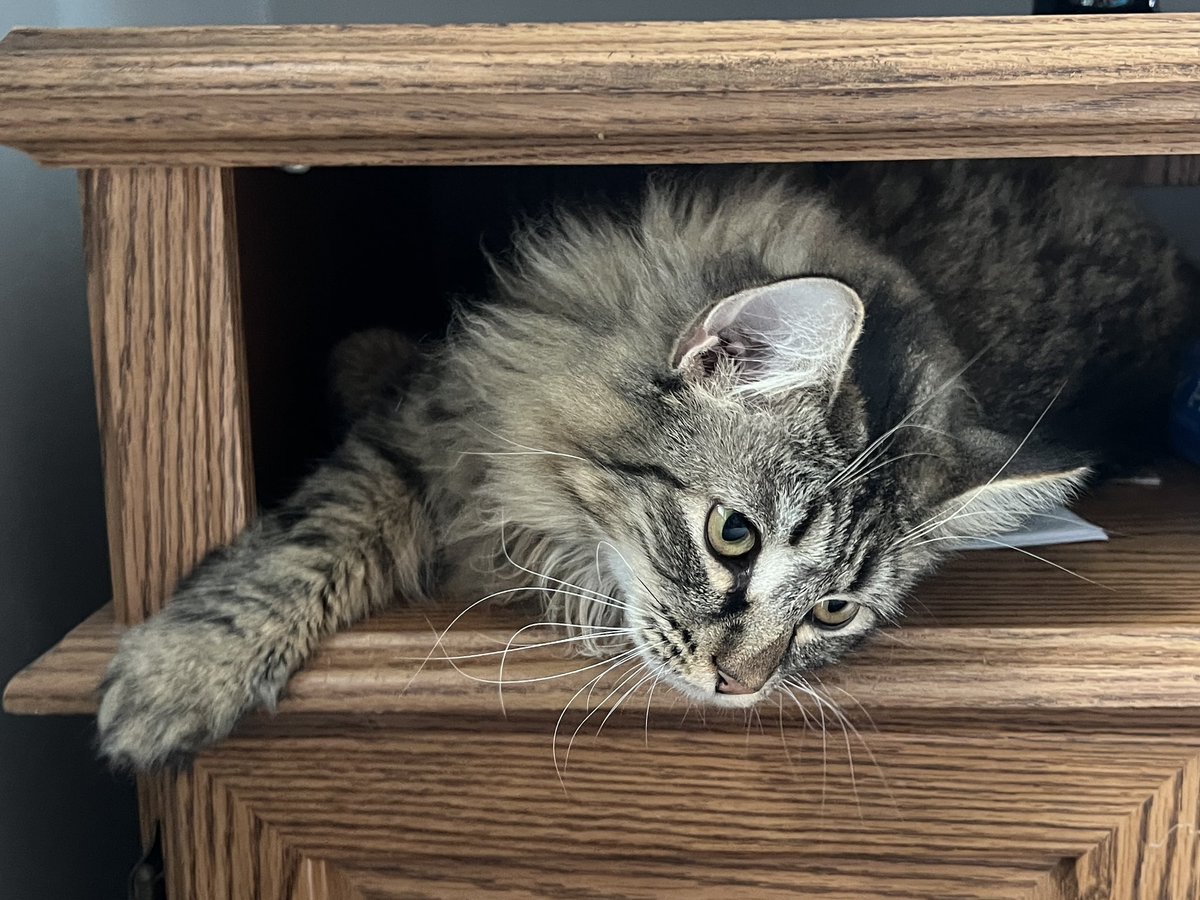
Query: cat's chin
739	701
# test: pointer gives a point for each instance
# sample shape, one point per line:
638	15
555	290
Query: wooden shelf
605	93
995	631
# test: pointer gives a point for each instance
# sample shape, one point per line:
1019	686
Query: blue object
1185	408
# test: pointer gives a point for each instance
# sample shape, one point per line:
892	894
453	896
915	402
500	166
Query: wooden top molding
605	93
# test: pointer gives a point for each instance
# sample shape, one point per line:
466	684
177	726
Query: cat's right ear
1001	481
797	333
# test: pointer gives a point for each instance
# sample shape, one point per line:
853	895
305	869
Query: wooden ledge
994	632
605	93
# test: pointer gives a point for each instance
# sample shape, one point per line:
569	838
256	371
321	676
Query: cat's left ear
1002	481
797	333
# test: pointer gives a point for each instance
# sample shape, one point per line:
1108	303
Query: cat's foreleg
352	537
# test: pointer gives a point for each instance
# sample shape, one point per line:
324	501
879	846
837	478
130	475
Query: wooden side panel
170	373
172	400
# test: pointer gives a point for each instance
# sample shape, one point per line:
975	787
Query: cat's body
752	413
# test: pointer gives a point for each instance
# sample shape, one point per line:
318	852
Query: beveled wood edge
391	666
45	687
605	92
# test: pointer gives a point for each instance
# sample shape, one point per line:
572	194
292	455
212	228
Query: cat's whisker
824	747
853	700
608	599
509	648
524	447
804	688
783	739
483	654
990	540
439	638
562	715
649	674
916	409
867	456
934	522
887	462
991	512
622	680
566	625
805	722
463	453
891	636
823	703
649	699
632	571
847	724
622	657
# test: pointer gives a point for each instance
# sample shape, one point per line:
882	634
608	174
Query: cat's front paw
174	688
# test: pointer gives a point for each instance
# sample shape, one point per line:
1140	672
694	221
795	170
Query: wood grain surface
170	373
631	92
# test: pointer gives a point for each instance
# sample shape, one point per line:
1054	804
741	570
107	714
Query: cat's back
1045	269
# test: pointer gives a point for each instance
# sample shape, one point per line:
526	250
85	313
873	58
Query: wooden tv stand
1025	734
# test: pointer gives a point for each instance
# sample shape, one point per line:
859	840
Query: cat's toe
144	729
166	697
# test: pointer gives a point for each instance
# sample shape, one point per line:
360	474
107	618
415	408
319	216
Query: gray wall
66	827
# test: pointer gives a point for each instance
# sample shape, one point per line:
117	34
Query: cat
752	409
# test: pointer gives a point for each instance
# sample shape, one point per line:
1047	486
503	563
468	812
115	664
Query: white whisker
930	524
625	677
558	724
623	656
624	697
998	543
603	599
887	462
509	648
483	654
904	421
523	447
650	697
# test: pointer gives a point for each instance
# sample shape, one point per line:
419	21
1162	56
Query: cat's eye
729	533
834	612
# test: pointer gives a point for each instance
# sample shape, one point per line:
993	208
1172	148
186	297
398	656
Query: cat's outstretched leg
355	535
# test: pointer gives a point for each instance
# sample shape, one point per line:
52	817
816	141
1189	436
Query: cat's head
756	526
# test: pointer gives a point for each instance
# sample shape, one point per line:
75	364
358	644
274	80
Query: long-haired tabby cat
754	408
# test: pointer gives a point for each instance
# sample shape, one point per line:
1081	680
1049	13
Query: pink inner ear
705	336
695	341
787	334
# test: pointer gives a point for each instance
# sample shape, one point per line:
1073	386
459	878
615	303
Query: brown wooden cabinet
1025	734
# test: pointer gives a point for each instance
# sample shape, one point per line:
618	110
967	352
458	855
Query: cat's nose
729	684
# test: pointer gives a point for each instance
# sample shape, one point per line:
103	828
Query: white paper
1055	526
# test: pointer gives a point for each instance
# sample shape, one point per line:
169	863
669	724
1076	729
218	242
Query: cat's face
755	530
749	553
746	544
